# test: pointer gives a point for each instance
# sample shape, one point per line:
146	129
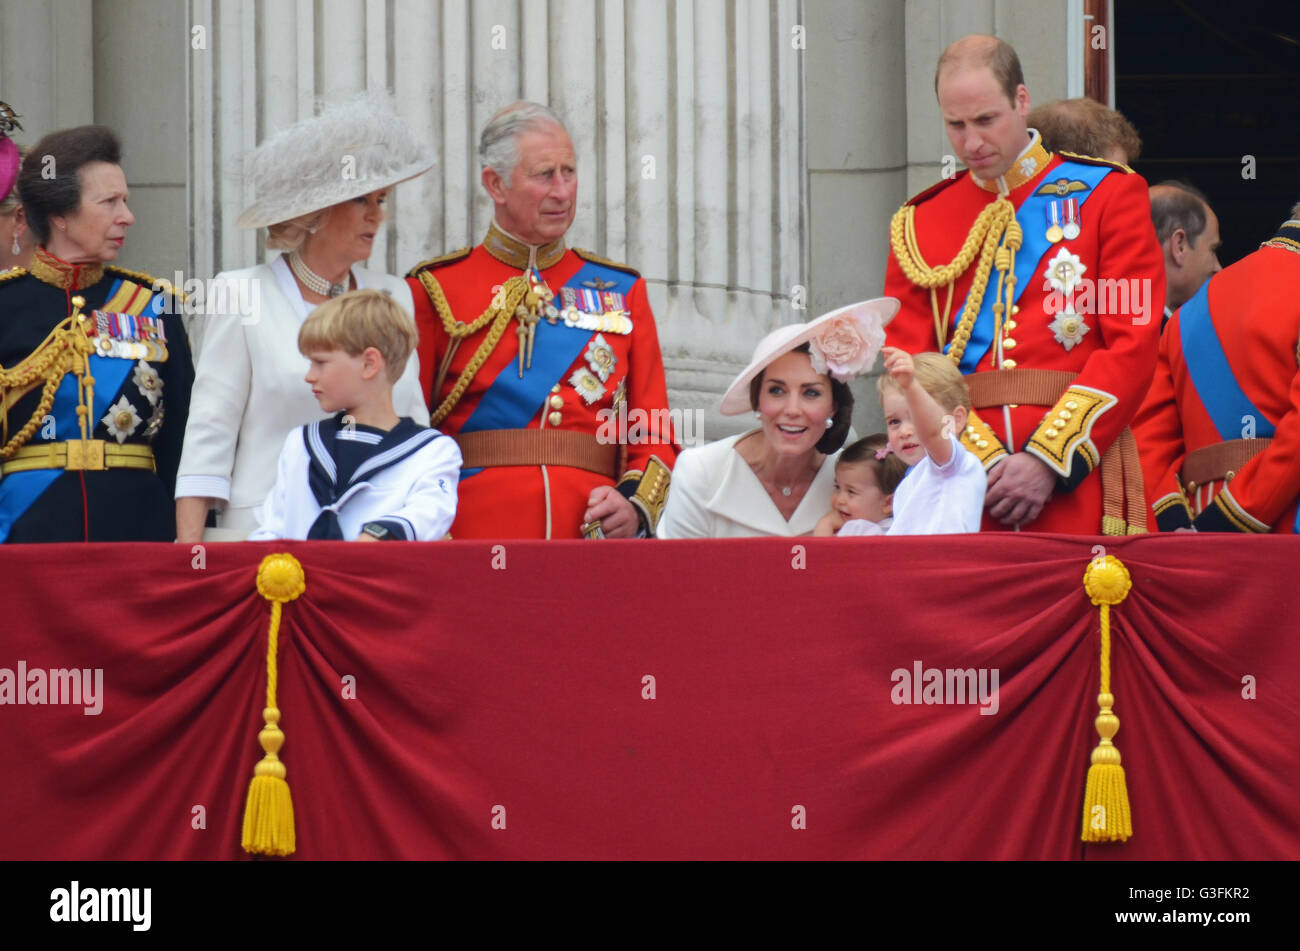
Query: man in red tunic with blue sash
1220	428
543	361
1041	278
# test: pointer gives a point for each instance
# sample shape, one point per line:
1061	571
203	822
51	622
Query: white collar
740	496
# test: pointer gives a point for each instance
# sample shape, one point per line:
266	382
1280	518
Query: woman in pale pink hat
777	479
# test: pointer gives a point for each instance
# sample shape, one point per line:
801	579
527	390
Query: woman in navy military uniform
95	368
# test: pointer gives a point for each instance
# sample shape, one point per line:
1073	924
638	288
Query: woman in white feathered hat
777	479
319	189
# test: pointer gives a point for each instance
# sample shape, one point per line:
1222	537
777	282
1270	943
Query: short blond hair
939	377
358	320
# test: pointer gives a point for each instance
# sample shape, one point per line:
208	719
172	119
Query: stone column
686	117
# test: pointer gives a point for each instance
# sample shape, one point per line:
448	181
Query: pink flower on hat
848	344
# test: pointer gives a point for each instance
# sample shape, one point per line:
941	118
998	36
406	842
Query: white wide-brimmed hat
842	343
351	149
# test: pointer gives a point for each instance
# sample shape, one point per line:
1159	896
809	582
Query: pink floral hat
843	344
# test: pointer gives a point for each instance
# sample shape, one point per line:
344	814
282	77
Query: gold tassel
1106	816
268	813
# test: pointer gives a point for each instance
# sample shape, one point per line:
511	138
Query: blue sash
511	402
19	490
1207	366
1032	215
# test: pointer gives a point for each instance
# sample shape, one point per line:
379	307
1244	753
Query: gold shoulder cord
65	350
498	314
995	225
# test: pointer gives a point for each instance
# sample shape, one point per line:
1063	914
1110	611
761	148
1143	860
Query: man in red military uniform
1040	276
543	361
1220	429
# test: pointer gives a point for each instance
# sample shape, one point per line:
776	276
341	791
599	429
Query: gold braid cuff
651	493
982	441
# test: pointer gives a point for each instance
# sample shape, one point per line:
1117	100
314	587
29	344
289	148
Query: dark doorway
1211	85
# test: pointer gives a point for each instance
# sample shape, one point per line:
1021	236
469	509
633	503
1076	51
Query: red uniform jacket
1255	312
1113	356
544	501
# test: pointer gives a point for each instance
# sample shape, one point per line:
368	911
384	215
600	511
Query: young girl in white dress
926	405
866	475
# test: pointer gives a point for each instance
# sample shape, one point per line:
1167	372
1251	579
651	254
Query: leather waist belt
1223	460
1015	387
1123	496
91	455
537	447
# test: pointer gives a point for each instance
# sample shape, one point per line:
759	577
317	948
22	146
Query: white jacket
715	494
249	392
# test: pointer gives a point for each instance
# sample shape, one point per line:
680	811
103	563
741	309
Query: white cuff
203	486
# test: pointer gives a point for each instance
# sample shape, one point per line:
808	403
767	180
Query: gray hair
498	145
1175	205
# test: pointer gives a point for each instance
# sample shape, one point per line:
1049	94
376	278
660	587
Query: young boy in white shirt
365	474
926	404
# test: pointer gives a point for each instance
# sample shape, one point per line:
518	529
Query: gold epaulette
11	273
1094	160
449	258
597	259
157	284
934	189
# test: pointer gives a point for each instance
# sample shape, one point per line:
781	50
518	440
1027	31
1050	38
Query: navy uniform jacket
137	401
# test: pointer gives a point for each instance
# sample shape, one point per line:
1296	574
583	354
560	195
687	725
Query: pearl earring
757	414
830	421
17	248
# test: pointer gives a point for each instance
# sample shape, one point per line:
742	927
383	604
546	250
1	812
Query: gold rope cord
991	228
64	350
504	306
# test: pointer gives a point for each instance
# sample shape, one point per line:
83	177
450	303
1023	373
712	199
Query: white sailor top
336	478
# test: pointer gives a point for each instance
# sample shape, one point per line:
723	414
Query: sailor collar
59	273
508	249
1025	168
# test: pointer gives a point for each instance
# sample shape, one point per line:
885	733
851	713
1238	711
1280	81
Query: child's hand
365	537
898	363
828	524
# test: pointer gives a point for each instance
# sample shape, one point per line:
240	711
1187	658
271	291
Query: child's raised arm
928	417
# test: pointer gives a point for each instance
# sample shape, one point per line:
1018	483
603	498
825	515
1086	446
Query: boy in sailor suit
365	474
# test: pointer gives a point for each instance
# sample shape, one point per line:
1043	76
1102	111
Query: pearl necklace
313	281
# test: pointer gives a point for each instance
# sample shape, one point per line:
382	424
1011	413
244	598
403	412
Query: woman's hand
191	517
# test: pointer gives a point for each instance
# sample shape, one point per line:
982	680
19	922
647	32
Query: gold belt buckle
86	454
